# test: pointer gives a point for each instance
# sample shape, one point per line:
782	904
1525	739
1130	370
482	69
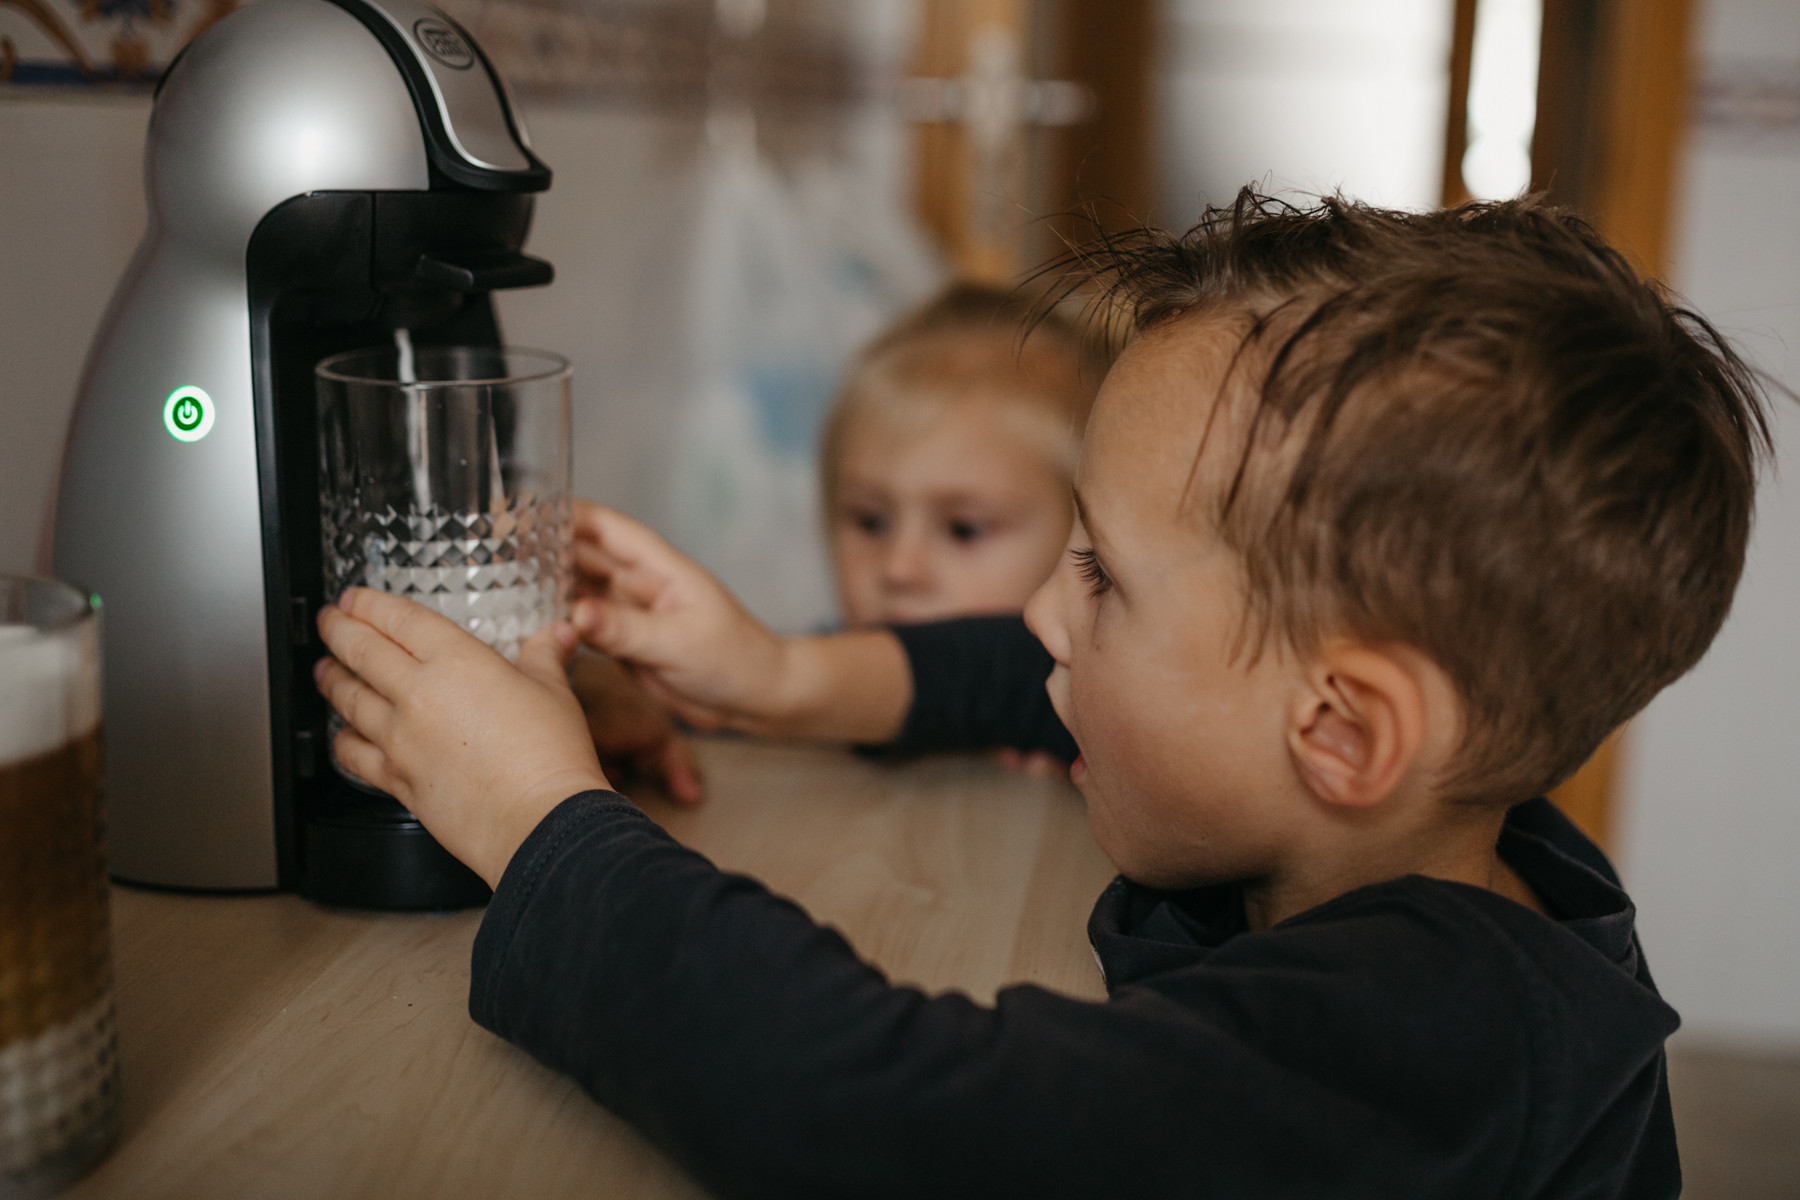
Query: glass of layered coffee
59	1094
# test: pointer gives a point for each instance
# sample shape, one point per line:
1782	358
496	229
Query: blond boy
946	463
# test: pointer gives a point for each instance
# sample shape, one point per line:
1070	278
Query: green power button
188	414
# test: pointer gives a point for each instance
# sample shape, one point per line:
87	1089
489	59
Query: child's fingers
581	514
620	534
621	631
640	585
363	759
584	516
367	710
680	773
365	649
545	655
419	631
632	544
1034	765
591	559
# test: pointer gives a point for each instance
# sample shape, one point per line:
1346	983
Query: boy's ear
1356	726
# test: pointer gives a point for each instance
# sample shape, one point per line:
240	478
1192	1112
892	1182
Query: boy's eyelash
1088	563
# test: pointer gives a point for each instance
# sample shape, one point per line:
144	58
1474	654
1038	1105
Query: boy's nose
1041	615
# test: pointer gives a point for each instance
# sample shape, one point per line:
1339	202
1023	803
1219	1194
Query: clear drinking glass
59	1075
444	477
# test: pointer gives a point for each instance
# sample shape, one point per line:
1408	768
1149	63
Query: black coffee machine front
321	173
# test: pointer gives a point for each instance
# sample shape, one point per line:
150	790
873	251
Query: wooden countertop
271	1048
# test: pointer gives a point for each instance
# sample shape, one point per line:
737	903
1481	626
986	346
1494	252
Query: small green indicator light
188	414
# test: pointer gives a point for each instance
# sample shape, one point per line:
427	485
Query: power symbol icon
188	414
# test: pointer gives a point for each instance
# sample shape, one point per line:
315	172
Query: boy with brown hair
1385	520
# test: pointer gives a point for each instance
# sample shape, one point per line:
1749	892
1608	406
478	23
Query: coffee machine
319	174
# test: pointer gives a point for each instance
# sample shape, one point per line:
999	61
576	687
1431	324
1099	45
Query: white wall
613	224
71	212
1711	838
1314	95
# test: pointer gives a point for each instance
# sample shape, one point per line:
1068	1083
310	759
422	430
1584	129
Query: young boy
946	463
1385	521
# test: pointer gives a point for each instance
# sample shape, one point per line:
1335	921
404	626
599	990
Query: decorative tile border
116	43
1748	98
672	53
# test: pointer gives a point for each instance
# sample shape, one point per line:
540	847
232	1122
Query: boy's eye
1088	564
966	531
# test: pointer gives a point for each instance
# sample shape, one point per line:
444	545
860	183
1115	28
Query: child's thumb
545	655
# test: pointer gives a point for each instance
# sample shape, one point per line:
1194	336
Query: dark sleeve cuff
579	814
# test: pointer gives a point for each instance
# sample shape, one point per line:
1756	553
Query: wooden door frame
1613	100
1101	168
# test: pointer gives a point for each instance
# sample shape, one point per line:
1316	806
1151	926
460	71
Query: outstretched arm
756	1048
698	650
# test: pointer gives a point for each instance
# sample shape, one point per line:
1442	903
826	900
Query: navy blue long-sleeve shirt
1417	1038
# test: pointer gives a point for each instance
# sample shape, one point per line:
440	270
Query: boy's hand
695	648
631	730
478	749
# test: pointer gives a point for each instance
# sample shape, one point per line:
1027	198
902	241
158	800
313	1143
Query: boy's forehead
1159	395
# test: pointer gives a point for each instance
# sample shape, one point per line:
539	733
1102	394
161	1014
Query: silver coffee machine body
319	173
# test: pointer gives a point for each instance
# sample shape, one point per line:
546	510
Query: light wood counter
273	1049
